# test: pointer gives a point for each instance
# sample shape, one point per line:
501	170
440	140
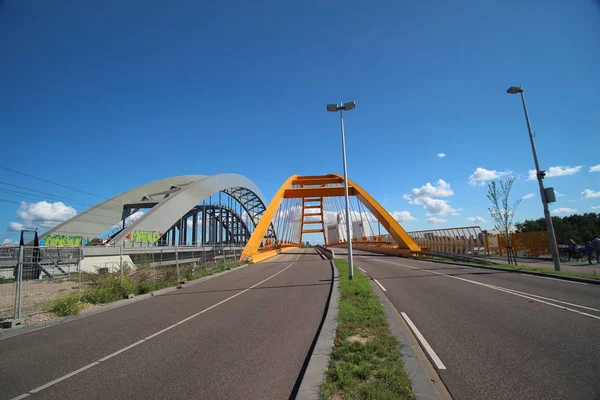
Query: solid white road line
554	279
62	378
362	269
380	285
509	291
436	360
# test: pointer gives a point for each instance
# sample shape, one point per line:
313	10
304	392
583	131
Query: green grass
519	268
373	370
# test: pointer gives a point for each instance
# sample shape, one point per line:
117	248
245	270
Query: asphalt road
231	337
500	335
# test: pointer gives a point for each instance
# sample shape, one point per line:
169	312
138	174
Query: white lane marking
509	291
554	279
62	378
380	285
362	269
438	363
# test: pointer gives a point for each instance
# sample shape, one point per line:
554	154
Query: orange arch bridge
304	203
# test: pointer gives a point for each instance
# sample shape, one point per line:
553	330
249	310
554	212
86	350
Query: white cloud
442	189
437	220
562	171
563	210
481	175
595	168
434	206
595	208
572	201
476	219
41	215
6	242
559	194
129	220
556	171
15	227
402	216
528	196
441	155
589	194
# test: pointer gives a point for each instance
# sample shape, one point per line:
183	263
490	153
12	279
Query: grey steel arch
171	197
236	227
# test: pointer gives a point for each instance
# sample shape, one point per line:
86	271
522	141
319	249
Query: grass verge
365	362
519	268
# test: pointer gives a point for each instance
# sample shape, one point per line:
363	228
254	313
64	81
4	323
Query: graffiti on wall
144	236
63	241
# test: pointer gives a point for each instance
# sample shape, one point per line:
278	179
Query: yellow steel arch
308	187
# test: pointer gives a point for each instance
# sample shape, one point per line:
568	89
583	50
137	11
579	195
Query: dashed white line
528	296
70	374
380	285
436	360
362	269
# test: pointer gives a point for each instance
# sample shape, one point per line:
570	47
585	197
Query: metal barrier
37	276
31	278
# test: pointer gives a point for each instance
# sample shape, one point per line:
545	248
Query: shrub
108	288
66	305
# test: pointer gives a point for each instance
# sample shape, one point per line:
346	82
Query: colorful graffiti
63	241
144	236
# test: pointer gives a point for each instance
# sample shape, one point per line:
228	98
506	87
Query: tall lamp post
547	194
341	108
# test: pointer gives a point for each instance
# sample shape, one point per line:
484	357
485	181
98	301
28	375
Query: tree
501	211
579	227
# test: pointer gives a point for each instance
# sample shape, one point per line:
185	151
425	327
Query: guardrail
328	253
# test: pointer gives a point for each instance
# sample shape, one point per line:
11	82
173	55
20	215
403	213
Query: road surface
243	335
500	335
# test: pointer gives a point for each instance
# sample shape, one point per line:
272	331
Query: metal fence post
19	278
177	260
215	255
121	262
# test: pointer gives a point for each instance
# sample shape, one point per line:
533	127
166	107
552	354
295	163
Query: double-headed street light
341	108
547	194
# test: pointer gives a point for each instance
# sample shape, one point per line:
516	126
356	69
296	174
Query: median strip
365	361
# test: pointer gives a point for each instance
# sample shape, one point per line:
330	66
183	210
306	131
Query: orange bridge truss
312	205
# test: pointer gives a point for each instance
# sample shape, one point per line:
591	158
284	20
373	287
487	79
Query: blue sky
106	95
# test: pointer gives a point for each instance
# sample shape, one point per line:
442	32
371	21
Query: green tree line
579	227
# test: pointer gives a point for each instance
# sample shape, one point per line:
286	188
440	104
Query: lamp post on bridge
341	108
547	194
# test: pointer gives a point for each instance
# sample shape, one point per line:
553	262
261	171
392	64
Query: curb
548	275
7	333
319	359
425	381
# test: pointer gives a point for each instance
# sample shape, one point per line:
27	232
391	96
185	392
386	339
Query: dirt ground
36	295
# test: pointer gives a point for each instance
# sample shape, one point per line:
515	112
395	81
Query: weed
66	305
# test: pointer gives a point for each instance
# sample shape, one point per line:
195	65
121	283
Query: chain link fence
32	278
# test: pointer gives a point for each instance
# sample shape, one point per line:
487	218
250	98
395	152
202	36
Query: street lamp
341	108
545	193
